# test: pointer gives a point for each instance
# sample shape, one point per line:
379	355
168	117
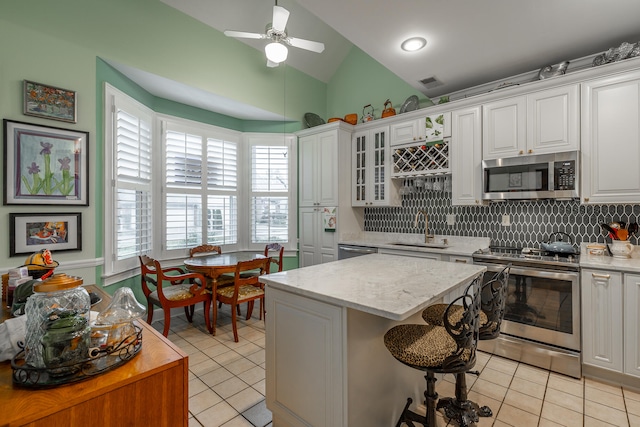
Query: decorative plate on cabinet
410	104
312	119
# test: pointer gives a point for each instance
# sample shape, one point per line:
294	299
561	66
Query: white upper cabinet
371	181
319	169
466	157
542	122
553	120
611	139
425	129
504	128
406	132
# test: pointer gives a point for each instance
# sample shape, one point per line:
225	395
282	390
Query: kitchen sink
421	245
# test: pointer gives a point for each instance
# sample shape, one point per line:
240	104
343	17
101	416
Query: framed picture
50	102
45	165
28	233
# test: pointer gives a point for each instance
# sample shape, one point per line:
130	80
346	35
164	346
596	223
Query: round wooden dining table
212	266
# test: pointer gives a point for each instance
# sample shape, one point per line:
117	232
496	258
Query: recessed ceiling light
413	44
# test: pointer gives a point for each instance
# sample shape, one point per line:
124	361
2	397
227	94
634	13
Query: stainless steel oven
542	314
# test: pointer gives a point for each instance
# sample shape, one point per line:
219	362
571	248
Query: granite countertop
607	262
391	286
457	245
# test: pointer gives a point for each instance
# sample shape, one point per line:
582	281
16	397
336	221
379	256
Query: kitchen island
326	363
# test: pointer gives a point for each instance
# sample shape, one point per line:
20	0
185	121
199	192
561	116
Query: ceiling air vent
431	82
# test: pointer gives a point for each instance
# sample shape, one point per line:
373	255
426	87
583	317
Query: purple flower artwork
38	175
49	166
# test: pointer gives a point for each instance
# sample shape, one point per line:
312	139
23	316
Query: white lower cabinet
305	361
631	324
317	246
603	325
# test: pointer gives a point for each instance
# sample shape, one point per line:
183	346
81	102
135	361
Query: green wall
63	43
361	80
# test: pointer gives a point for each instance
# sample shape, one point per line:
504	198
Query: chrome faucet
427	237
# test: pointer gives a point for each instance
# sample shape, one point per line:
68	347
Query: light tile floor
227	384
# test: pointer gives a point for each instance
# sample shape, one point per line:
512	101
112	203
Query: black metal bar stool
493	297
450	348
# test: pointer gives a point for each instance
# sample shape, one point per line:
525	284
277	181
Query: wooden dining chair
204	250
275	247
270	248
277	260
245	289
166	288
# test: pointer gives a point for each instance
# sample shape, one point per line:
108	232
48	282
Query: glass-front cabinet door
371	184
359	180
379	151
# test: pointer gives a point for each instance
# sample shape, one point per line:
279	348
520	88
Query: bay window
172	184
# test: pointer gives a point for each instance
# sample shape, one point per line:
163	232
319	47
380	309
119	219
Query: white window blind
133	233
184	160
269	193
222	164
201	200
183	223
128	227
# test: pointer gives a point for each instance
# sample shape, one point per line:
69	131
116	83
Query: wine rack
423	159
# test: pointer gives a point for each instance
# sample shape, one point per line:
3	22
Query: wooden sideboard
151	389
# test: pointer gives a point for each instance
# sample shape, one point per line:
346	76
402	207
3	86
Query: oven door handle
550	274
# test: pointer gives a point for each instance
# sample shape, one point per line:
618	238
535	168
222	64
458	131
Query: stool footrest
464	413
409	417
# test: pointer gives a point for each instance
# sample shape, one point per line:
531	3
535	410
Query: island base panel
328	366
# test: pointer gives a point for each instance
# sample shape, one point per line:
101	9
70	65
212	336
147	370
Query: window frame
116	270
205	131
290	141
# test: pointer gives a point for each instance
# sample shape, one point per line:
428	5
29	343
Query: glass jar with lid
56	302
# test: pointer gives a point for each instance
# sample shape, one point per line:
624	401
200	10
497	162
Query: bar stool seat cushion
434	313
422	346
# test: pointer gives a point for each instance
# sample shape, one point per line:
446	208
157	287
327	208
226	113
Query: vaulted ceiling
468	42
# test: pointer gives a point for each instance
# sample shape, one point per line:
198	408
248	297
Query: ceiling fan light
276	52
413	44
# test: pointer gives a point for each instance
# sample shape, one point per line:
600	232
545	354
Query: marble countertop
606	262
390	286
457	245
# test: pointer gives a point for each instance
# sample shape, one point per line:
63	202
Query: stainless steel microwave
545	176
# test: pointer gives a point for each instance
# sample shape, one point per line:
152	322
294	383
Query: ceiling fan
276	50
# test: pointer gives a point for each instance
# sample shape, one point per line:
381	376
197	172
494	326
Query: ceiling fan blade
272	64
305	44
243	34
280	18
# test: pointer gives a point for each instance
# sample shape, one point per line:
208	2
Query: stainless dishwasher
350	251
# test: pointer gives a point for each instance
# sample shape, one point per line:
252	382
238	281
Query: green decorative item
443	100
